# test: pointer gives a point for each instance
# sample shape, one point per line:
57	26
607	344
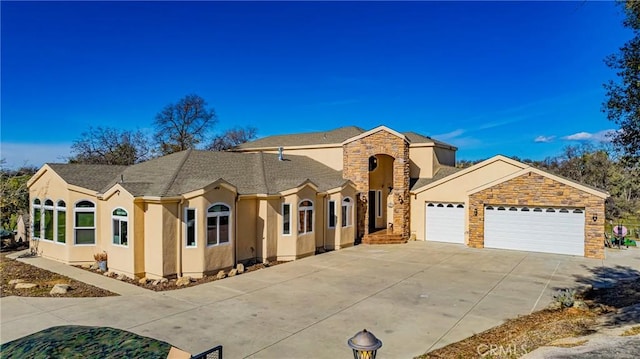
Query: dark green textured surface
72	341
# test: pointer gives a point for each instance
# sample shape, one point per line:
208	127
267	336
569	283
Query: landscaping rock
121	277
108	274
220	275
164	280
94	266
232	273
183	281
59	289
143	280
555	305
579	304
240	268
156	282
25	285
16	281
86	266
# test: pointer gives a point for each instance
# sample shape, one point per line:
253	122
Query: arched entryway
380	187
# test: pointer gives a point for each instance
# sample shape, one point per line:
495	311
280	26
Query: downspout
180	237
324	222
235	232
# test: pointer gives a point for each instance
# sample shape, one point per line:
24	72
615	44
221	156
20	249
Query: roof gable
456	174
375	130
566	181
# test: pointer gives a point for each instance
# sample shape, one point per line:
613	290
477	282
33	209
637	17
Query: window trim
217	215
47	207
120	219
332	206
77	209
288	232
36	206
306	209
186	227
56	213
347	212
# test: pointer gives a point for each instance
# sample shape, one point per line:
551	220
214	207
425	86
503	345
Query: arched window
47	220
347	212
513	209
218	224
489	208
525	209
305	217
119	218
37	218
85	223
61	222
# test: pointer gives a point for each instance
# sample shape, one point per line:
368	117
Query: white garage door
445	222
549	230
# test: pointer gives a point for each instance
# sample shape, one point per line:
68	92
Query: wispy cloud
449	135
544	139
601	136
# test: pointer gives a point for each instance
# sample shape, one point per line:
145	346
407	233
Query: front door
372	211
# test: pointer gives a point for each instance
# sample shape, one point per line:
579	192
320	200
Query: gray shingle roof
93	177
186	171
338	135
441	173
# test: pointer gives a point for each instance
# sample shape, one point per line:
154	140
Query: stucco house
285	197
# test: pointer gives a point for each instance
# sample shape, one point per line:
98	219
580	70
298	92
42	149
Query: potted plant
101	258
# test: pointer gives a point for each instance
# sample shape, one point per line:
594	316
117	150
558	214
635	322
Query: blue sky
515	78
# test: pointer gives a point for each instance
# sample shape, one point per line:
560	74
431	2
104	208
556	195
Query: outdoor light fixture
365	345
595	217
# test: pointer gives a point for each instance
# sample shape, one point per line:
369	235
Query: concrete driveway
414	297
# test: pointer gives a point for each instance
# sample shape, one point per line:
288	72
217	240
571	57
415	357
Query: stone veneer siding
534	190
356	168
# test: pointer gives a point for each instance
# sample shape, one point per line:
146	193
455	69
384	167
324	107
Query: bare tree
232	138
14	194
183	125
110	146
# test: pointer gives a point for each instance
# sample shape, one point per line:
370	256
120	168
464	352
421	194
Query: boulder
86	266
185	280
25	285
220	275
155	282
240	268
164	280
579	304
121	277
59	289
232	273
16	281
143	280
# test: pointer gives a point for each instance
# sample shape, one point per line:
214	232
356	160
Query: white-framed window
119	219
378	203
305	216
218	224
37	219
190	227
332	214
84	223
286	218
47	220
61	222
347	212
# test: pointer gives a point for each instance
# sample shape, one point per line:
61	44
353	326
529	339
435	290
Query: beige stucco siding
444	156
421	162
299	245
153	251
455	190
246	223
120	258
329	156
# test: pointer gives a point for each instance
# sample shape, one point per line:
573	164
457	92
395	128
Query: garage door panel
445	222
536	229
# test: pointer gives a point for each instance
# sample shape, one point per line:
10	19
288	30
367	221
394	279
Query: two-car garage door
549	230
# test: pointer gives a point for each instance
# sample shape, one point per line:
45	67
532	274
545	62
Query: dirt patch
171	283
11	269
524	334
